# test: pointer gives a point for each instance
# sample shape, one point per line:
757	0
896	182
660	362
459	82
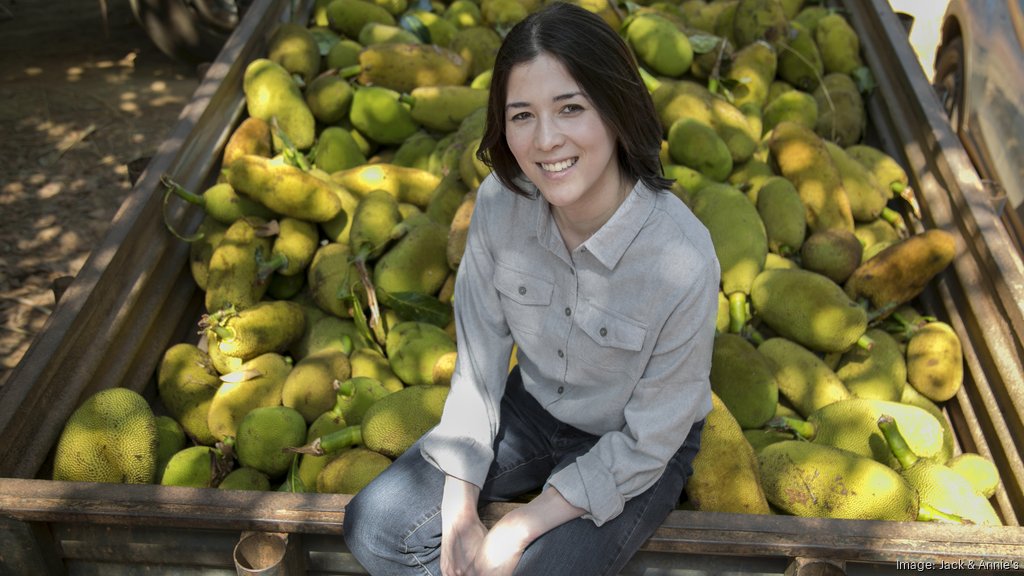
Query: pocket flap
610	329
521	287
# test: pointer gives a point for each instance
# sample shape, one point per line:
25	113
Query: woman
608	285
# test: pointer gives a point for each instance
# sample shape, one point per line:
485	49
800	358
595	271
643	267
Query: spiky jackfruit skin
901	271
879	373
852	425
804	378
725	472
186	382
264	433
413	349
785	223
935	361
814	480
737	232
245	479
350	471
915	398
268	326
838	43
950	492
808	308
111	437
841	115
980	471
398	420
744	380
191	467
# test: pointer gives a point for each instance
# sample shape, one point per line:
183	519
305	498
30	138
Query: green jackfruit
696	145
295	49
463	14
876	232
170	438
980	471
405	67
372	364
311	464
379	114
477	45
406	184
914	398
284	188
377	33
258	383
194	467
393	423
413	349
415	151
354	397
879	373
741	243
782	212
743	379
935	361
252	136
864	193
350	471
676	99
443	108
349	16
416	263
801	156
752	70
815	480
373	224
800	61
186	383
851	425
270	93
759	20
262	435
309	387
659	44
803	377
245	479
110	437
750	176
344	54
329	98
938	486
833	253
233	276
793	106
333	279
268	326
725	472
888	172
808	308
841	116
838	44
224	204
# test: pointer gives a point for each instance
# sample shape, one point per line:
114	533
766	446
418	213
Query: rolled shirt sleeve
462	443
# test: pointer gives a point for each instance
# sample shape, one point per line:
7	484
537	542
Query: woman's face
559	139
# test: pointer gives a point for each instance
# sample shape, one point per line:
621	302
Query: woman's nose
548	135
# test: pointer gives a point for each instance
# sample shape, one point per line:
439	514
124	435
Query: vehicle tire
191	31
949	80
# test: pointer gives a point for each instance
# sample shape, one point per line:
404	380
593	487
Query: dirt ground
80	100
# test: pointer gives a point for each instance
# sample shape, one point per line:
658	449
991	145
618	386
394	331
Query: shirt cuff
587	484
462	457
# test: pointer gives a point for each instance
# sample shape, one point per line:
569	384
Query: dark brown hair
603	66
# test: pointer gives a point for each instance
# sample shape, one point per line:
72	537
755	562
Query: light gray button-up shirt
614	338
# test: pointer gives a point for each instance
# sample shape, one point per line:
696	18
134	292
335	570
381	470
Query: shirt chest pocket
525	299
609	341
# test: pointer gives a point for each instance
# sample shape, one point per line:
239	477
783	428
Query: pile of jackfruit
332	237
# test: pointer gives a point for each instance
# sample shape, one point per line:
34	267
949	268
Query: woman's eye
572	108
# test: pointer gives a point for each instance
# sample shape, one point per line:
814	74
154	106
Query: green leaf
416	306
362	324
293	483
704	43
864	79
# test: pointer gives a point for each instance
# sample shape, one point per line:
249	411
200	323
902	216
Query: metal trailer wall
135	296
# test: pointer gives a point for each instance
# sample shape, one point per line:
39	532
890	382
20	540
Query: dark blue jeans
393	525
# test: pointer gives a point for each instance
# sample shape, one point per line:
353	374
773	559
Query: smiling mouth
559	166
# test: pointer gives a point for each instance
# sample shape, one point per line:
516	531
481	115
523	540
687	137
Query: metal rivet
522	290
604	331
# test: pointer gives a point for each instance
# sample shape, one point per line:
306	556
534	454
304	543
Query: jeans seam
519	465
405	539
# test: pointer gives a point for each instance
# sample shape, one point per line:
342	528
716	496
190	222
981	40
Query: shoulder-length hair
603	66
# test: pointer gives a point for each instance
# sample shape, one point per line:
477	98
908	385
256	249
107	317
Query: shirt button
522	290
561	354
604	331
568	311
561	389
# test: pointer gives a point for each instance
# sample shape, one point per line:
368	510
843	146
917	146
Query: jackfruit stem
802	428
181	192
222	332
737	312
268	267
350	71
340	439
897	443
865	342
172	188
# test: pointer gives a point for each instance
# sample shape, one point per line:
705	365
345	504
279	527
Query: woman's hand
462	532
501	549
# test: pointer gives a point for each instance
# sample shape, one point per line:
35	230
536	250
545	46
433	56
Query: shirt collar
610	241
